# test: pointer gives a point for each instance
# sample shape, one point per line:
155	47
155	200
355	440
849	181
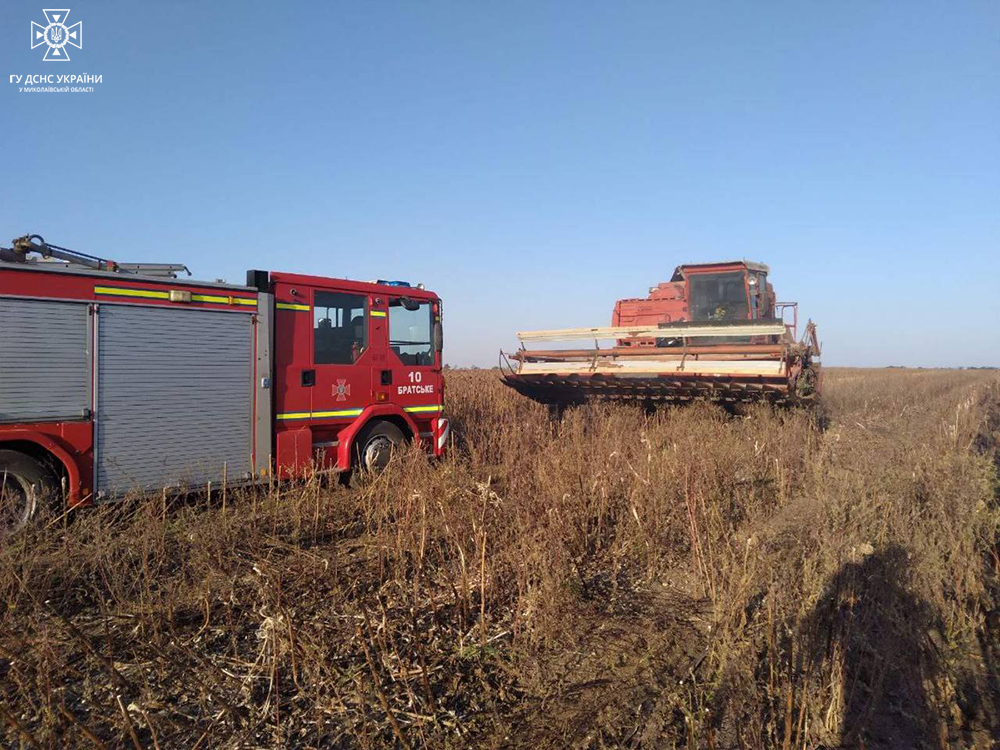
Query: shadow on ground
868	628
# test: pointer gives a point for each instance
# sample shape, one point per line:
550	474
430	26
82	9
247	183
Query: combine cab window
410	331
718	296
340	328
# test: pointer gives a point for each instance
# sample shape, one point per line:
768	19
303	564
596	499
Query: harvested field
690	579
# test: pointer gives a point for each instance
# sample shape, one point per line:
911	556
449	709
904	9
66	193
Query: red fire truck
117	378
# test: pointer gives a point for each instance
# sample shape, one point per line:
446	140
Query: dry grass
688	580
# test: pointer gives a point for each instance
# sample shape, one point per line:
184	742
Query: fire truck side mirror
409	304
438	337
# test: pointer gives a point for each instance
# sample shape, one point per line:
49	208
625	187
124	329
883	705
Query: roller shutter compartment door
44	361
173	398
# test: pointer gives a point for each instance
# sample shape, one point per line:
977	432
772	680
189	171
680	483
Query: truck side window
340	328
410	331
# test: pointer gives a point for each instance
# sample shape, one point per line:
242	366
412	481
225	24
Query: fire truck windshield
410	331
718	296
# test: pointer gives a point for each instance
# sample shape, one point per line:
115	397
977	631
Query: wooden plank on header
635	332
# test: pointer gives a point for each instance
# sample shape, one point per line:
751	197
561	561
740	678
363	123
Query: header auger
714	332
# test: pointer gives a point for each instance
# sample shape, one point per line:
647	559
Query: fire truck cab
119	378
357	368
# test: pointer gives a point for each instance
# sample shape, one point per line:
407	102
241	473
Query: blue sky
535	161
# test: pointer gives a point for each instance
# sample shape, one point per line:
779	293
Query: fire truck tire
26	484
375	444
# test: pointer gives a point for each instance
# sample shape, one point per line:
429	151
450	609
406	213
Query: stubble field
690	579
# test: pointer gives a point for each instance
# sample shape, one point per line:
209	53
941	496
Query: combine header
713	332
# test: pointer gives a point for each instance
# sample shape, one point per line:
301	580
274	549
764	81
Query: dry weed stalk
690	578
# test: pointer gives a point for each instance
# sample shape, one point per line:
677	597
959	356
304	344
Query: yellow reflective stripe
320	414
290	306
378	314
351	412
121	291
342	413
222	300
125	292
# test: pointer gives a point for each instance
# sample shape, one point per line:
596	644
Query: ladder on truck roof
35	244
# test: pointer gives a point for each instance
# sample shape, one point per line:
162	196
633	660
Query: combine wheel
375	445
24	484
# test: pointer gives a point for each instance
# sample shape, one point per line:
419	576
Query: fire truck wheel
24	485
375	444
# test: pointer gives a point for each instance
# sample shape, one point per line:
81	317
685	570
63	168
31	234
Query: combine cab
713	332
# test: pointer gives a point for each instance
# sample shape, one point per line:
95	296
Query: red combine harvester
715	331
118	377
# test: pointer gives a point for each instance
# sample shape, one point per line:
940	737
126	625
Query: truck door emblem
342	389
